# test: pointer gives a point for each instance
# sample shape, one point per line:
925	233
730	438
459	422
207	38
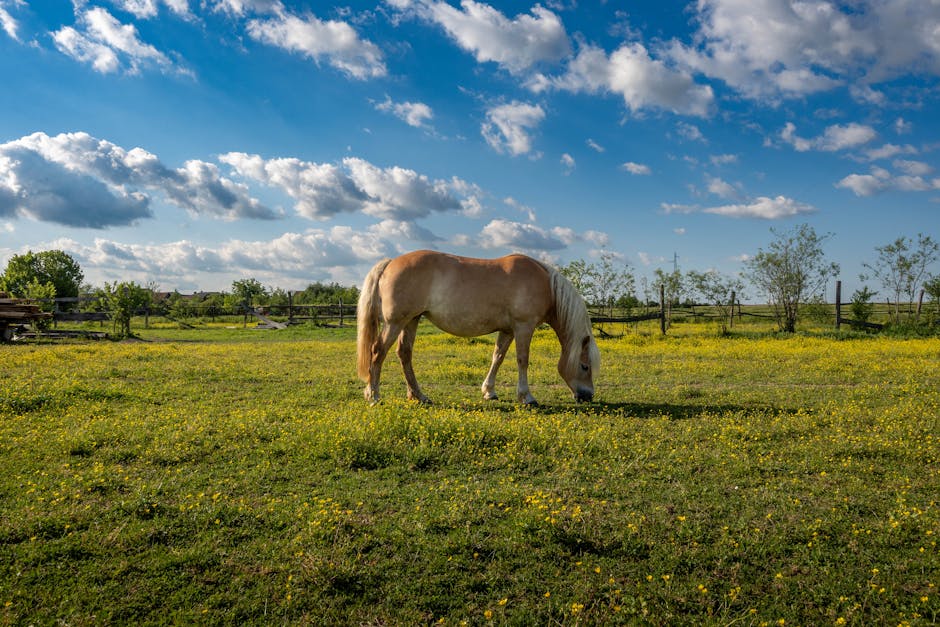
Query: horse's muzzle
584	396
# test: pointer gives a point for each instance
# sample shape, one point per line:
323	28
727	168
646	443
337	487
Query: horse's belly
466	324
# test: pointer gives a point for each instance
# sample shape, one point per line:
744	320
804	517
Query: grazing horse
473	297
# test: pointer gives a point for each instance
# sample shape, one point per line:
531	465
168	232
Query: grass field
234	476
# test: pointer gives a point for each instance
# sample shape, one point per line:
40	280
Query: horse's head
577	367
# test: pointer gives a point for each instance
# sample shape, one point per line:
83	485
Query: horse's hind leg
499	353
405	350
379	351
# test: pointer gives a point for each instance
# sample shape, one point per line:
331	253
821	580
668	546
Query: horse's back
464	295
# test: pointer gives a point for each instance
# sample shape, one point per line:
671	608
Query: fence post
290	307
731	311
920	304
341	313
662	309
838	305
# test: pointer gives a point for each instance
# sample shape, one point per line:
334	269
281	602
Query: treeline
791	273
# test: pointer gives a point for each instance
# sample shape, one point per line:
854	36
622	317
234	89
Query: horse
471	297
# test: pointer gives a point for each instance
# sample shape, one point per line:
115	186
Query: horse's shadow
623	409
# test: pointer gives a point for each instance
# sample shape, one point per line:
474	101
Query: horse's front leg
405	350
523	339
499	353
379	351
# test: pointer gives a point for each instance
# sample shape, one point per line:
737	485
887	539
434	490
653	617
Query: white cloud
593	145
719	160
721	188
834	138
316	39
518	206
638	169
323	190
507	235
902	126
239	8
679	231
8	22
788	48
668	208
294	258
890	150
879	179
515	44
643	82
109	46
763	207
568	162
508	127
144	9
913	168
78	180
690	132
415	114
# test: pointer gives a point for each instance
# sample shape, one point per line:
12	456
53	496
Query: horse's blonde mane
574	322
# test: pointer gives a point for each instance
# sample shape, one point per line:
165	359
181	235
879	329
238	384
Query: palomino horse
472	297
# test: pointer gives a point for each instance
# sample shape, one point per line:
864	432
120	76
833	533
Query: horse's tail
367	318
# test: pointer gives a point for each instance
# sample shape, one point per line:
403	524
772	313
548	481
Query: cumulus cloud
8	23
78	180
912	178
322	190
630	72
515	44
508	235
721	188
888	151
110	46
145	9
774	49
415	114
636	168
508	127
763	207
335	253
568	162
333	40
834	138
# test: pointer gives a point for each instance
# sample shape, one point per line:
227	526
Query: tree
612	282
123	300
792	269
902	265
53	267
715	288
247	291
673	287
602	284
579	273
932	287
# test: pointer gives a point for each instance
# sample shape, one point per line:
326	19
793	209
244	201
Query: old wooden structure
16	313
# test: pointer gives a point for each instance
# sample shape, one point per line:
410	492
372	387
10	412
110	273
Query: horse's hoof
533	403
490	397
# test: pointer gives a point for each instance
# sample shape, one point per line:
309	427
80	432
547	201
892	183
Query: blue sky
195	142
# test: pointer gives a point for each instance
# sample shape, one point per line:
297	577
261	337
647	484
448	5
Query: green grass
235	476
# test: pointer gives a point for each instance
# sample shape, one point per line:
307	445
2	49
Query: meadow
231	476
